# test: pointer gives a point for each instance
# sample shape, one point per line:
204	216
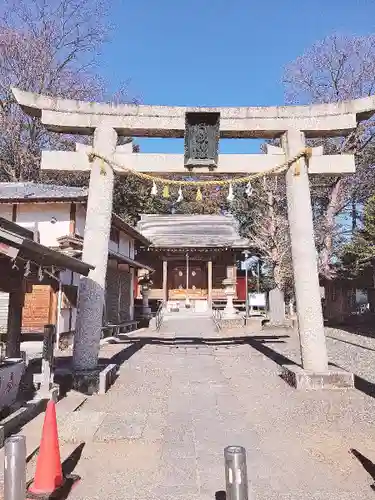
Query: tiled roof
23	191
184	231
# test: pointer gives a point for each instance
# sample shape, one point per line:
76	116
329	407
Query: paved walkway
160	431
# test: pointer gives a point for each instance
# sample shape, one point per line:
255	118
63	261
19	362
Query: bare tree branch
335	69
47	47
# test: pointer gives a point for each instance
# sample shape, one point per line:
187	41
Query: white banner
8	250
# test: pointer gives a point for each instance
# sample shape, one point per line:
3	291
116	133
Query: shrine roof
31	191
195	231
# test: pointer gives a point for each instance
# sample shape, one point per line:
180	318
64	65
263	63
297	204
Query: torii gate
201	128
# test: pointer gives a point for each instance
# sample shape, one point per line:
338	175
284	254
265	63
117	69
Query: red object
48	475
241	288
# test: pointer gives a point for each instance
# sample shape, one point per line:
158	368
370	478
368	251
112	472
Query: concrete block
20	417
286	323
107	377
86	381
334	378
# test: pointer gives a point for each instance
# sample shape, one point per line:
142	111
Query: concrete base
299	378
86	381
287	323
106	377
229	323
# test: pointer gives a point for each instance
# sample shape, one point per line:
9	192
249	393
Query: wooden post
209	279
47	359
165	280
16	301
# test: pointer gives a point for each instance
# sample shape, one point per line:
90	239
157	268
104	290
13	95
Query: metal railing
217	314
159	316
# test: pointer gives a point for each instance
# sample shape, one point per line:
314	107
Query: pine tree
358	254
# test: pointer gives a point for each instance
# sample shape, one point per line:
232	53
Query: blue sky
218	52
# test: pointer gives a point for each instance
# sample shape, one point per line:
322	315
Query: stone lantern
146	283
230	291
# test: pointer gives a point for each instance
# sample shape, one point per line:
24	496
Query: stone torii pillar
95	252
304	255
291	123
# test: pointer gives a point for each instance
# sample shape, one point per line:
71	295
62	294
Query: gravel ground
160	431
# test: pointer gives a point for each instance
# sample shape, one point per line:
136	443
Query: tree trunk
277	274
354	214
329	226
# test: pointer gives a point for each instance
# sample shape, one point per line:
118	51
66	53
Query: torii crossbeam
202	128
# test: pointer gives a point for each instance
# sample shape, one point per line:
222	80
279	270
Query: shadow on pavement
123	355
135	344
350	343
257	342
361	384
366	464
71	480
71	462
363	328
275	356
364	386
211	341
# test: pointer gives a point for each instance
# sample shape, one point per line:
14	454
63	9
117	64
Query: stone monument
290	123
276	308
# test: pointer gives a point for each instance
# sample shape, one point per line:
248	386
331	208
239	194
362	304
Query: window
114	235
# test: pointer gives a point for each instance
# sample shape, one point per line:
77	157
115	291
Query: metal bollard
236	473
15	468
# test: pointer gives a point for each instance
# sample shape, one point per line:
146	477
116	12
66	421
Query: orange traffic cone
48	475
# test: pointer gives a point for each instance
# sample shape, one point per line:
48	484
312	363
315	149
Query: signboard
10	377
257	299
8	250
249	263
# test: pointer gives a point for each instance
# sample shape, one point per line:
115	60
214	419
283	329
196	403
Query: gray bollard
15	468
236	473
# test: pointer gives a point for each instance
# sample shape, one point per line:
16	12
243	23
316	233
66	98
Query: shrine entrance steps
174	319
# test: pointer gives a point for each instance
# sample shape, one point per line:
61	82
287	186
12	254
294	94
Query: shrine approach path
184	394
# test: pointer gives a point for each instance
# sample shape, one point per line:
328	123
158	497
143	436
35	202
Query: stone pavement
160	431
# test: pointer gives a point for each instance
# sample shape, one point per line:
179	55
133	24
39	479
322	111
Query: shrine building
191	255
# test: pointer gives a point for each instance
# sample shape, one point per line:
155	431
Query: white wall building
57	215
